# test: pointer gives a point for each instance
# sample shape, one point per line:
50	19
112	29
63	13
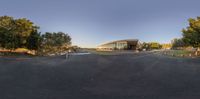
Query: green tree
61	38
7	37
23	30
34	40
145	46
155	45
14	33
191	34
178	43
17	33
54	41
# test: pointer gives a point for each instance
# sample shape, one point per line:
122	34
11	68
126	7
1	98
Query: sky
93	22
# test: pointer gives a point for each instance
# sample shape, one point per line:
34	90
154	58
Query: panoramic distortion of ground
127	76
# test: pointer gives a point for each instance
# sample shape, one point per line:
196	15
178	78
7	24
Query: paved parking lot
135	76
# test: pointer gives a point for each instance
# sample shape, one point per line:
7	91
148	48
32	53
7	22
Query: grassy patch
101	52
179	53
104	53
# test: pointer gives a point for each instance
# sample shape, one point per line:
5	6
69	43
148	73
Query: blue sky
92	22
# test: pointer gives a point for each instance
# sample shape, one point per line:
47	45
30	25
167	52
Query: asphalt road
142	76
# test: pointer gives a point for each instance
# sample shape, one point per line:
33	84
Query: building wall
119	45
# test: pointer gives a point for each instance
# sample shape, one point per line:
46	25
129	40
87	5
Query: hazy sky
92	22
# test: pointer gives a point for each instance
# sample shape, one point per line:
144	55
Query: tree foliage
167	46
52	41
56	39
22	33
155	45
7	38
34	40
145	46
177	43
14	33
191	34
151	45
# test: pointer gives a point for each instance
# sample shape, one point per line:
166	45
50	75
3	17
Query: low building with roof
128	44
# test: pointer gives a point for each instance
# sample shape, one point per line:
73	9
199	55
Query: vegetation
22	33
179	53
151	46
191	34
178	43
55	42
14	33
155	45
166	46
189	44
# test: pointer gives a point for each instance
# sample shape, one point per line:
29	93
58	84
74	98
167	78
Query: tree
145	46
22	33
7	37
155	45
151	45
23	30
56	39
166	46
34	40
51	41
177	43
14	33
191	34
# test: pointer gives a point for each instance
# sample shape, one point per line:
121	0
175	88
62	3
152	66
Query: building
129	44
